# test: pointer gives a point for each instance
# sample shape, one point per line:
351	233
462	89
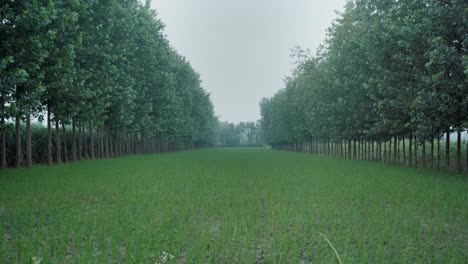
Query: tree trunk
80	142
18	141
91	143
432	153
106	144
73	140
459	167
112	145
379	150
385	151
438	151
101	141
58	143
369	153
85	143
98	143
415	152
398	149
447	150
29	161
423	154
142	144
364	149
359	151
3	158
116	144
390	151
341	148
395	143
349	149
354	150
120	144
410	153
65	143
49	137
404	151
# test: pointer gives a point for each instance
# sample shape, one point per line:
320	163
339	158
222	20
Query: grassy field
232	206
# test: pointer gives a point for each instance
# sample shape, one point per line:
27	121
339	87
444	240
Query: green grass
232	205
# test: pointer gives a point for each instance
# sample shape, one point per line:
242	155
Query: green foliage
104	65
387	69
241	134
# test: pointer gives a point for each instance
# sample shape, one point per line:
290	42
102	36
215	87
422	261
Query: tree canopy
388	70
105	72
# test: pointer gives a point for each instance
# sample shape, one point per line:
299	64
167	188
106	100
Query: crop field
232	206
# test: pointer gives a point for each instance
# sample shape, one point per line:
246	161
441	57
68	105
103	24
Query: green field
232	206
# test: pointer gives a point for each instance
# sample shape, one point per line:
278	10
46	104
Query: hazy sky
241	48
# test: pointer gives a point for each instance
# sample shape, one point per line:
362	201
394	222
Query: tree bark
390	150
438	150
116	140
379	150
354	151
364	149
410	153
398	149
459	167
415	152
98	138
423	143
447	149
91	143
369	149
49	137
359	151
341	148
404	151
18	141
3	158
432	153
106	144
58	143
65	143
349	149
73	140
112	149
101	142
85	143
359	155
385	151
80	142
29	161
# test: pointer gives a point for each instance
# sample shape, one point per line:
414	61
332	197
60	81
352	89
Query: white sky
242	48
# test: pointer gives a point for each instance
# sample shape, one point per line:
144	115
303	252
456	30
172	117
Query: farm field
236	205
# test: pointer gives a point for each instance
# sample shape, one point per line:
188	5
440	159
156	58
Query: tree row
104	78
390	77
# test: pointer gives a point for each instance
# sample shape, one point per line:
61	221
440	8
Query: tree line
242	134
388	83
102	75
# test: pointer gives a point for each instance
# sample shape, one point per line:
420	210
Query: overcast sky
241	48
